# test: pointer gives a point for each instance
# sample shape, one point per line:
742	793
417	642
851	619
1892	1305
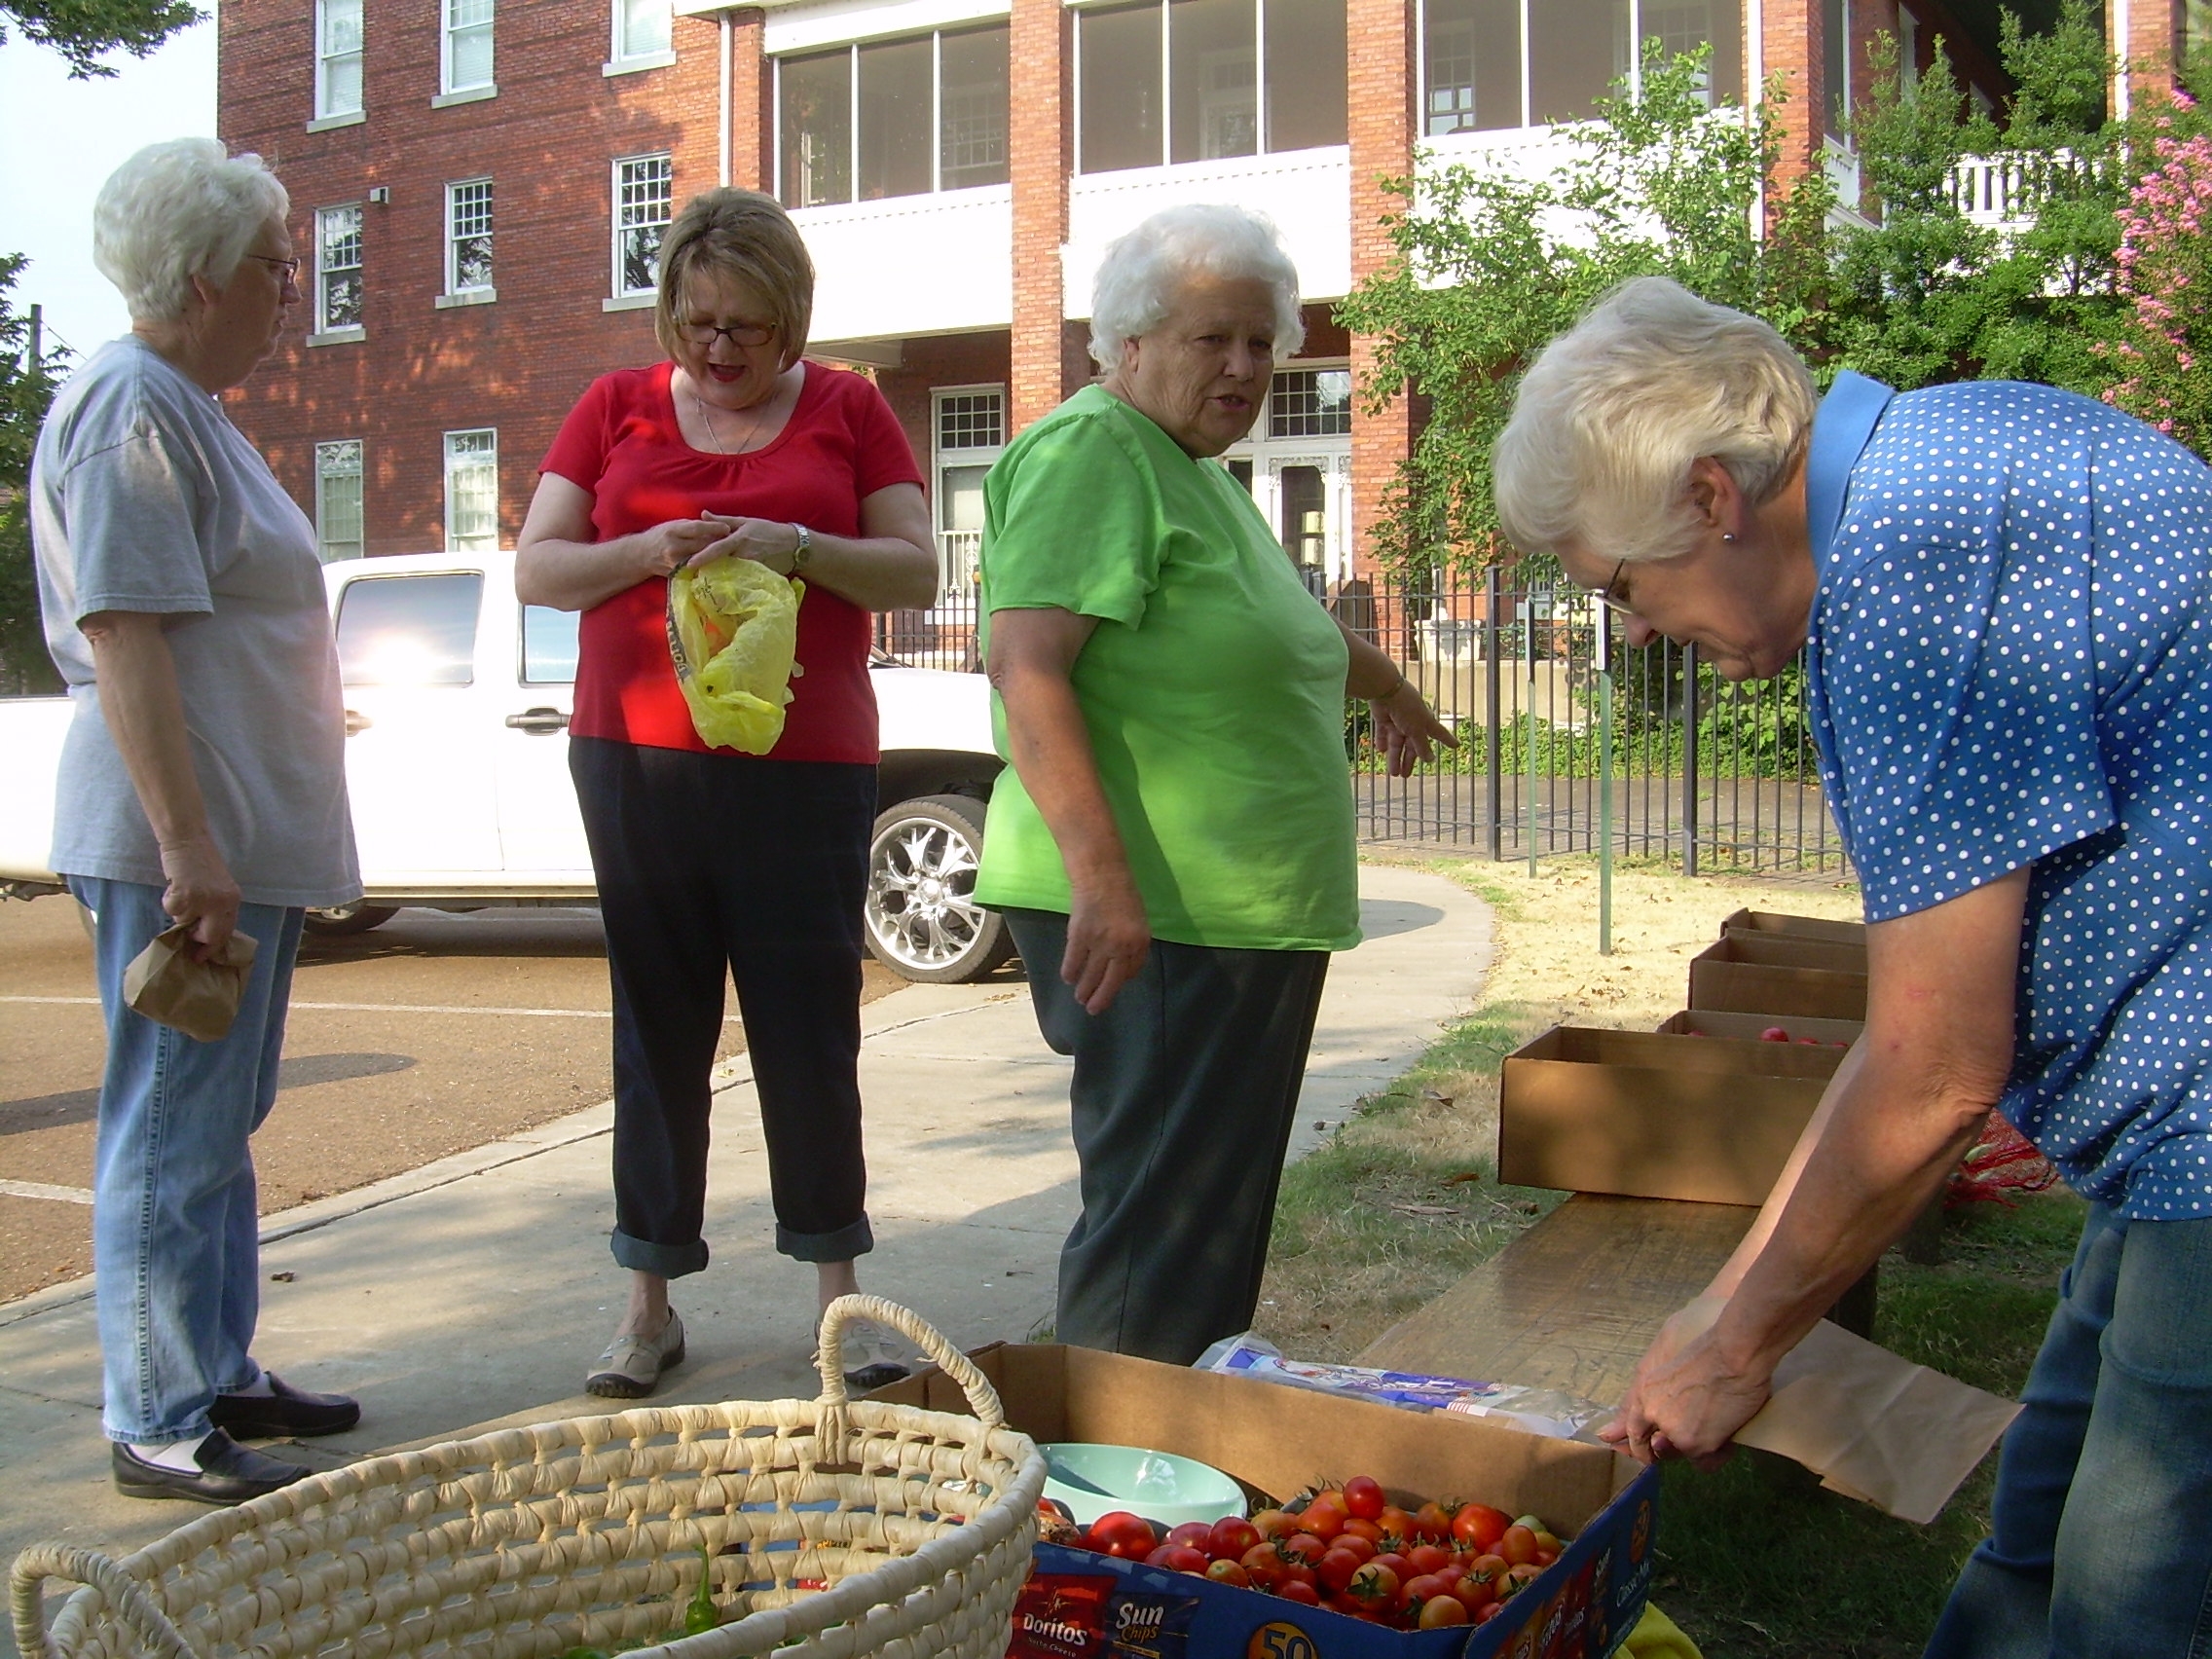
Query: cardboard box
1278	1441
1652	1116
1745	974
1715	1022
1775	923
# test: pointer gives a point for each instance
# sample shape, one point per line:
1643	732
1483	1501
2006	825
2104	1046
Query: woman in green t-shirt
1173	841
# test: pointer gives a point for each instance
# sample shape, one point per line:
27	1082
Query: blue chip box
1277	1441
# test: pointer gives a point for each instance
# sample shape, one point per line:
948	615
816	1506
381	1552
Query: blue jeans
2101	1543
176	1244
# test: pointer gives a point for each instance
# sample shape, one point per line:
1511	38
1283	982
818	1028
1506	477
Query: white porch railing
958	554
2002	193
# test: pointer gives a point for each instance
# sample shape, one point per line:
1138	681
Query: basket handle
26	1584
982	1398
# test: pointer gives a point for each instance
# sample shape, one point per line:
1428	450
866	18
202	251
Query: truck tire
923	922
349	919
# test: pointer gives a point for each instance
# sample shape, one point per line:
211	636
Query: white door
418	765
541	835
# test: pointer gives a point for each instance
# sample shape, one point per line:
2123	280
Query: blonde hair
746	235
1610	416
1136	282
182	208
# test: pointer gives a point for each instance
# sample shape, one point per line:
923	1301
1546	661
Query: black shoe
283	1411
228	1473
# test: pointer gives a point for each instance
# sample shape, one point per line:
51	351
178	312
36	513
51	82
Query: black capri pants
709	863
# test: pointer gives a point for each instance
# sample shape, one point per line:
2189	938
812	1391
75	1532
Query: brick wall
546	142
1792	42
1039	156
953	359
2152	43
1380	106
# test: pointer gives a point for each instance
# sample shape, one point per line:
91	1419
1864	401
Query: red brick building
479	186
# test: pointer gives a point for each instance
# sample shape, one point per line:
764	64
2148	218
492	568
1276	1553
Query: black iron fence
1716	775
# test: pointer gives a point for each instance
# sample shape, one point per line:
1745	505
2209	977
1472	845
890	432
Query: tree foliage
26	390
81	30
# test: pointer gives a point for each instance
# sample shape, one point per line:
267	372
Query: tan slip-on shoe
631	1367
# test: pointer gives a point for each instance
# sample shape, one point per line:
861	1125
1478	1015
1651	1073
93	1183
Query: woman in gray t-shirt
202	785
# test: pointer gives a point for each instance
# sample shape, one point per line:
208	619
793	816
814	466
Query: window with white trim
968	433
468	236
643	28
892	117
336	57
1489	66
1309	403
338	268
472	490
338	499
466	47
644	201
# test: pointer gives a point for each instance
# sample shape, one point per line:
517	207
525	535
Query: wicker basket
837	1528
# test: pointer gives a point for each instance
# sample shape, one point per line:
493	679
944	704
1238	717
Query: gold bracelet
1402	683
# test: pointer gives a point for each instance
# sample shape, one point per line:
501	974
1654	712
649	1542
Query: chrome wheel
923	921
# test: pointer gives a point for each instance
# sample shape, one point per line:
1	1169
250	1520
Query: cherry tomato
1159	1557
1363	1498
1521	1575
1374	1585
1431	1523
1425	1587
1324	1516
1229	1572
1544	1558
1478	1526
1397	1564
1229	1537
1490	1611
1438	1612
1359	1526
1475	1593
1121	1533
1487	1570
1274	1522
1263	1565
1299	1591
1194	1533
1547	1541
1428	1558
1304	1547
1336	1568
1354	1543
1518	1546
1396	1524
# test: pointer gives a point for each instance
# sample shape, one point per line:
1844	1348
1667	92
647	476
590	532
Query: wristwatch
803	550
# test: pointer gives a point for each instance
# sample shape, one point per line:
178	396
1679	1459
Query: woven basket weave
838	1528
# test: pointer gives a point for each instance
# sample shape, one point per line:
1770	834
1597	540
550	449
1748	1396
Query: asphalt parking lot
427	1036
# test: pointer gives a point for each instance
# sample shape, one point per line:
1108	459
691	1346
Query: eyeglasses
1606	597
288	269
741	334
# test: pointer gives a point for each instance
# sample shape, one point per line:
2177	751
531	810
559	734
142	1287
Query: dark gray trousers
1184	1095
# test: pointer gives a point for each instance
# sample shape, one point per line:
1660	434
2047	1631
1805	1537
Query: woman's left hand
766	541
1407	730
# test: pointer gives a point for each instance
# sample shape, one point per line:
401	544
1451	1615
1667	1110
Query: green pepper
702	1614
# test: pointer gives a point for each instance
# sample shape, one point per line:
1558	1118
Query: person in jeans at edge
711	862
2005	592
202	785
1172	843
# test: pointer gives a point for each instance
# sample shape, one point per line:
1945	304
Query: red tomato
1375	1586
1475	1593
1521	1574
1159	1557
1356	1544
1431	1523
1478	1526
1396	1524
1274	1523
1428	1558
1773	1034
1324	1516
1545	1540
1544	1558
1363	1498
1487	1570
1518	1546
1194	1533
1359	1526
1229	1572
1490	1611
1397	1564
1336	1568
1228	1538
1425	1587
1438	1612
1263	1565
1182	1558
1299	1591
1304	1547
1121	1533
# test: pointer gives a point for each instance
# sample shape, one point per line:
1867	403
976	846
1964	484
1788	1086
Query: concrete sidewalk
476	1290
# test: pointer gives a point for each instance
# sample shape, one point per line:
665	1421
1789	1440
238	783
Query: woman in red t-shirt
707	857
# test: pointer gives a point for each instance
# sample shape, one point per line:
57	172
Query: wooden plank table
1573	1302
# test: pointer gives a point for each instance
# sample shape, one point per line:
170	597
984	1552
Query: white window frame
324	58
956	561
625	53
852	107
448	28
325	455
323	270
615	218
458	462
454	287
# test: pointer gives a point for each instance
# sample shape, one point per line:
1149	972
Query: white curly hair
1136	282
182	208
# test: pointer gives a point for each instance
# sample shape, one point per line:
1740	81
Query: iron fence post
1689	760
1493	628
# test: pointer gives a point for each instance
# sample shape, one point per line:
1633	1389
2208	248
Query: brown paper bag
1872	1425
200	999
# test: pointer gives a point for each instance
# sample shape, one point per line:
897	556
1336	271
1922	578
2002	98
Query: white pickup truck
456	715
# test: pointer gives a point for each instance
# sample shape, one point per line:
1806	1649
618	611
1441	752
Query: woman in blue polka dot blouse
2008	594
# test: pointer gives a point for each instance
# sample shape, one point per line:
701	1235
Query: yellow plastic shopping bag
733	630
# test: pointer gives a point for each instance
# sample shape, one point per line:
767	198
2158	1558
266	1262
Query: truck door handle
540	720
357	721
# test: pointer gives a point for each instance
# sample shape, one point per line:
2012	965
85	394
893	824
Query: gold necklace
706	420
